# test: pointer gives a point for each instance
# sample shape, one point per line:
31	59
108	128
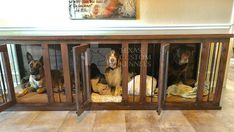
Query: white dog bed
135	82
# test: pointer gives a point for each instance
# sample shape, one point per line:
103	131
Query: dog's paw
118	91
24	92
41	90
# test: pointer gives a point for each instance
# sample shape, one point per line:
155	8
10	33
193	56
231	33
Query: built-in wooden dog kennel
145	60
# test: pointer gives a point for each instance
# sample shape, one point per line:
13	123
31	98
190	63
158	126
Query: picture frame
102	9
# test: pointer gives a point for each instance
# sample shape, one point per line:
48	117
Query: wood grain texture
66	73
203	69
47	70
143	70
221	71
125	70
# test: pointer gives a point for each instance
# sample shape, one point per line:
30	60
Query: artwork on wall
102	9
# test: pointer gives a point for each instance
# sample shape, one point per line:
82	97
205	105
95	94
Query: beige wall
54	13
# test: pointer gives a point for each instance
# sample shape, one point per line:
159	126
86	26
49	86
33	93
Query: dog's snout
112	60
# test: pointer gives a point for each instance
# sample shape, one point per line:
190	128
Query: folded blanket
185	91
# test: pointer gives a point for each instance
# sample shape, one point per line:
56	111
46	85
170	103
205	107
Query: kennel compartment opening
26	62
143	72
182	74
106	72
99	72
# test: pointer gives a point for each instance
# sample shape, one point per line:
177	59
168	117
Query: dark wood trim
203	69
3	48
221	71
125	71
6	105
143	70
82	48
190	106
67	72
110	41
47	70
110	106
122	106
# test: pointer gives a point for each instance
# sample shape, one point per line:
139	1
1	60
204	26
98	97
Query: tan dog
36	82
113	72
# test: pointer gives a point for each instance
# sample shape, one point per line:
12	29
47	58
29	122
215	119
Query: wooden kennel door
163	73
81	69
7	93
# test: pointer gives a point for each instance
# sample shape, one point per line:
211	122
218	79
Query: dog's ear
41	60
29	57
107	60
119	61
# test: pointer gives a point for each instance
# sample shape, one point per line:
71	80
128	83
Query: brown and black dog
36	81
113	72
179	60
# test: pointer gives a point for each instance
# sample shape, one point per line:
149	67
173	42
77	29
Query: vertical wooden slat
47	70
161	80
9	77
221	71
203	69
84	81
76	60
143	70
66	73
125	71
87	75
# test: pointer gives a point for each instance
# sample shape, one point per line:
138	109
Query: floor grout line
33	119
64	120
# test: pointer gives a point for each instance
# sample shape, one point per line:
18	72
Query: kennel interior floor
111	121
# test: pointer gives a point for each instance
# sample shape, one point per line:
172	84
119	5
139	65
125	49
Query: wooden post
47	70
143	70
203	69
66	72
125	71
221	72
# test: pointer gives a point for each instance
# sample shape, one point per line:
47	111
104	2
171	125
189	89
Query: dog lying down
36	82
100	86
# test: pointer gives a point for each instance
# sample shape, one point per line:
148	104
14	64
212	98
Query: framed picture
102	9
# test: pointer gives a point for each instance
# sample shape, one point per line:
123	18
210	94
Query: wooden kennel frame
205	41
